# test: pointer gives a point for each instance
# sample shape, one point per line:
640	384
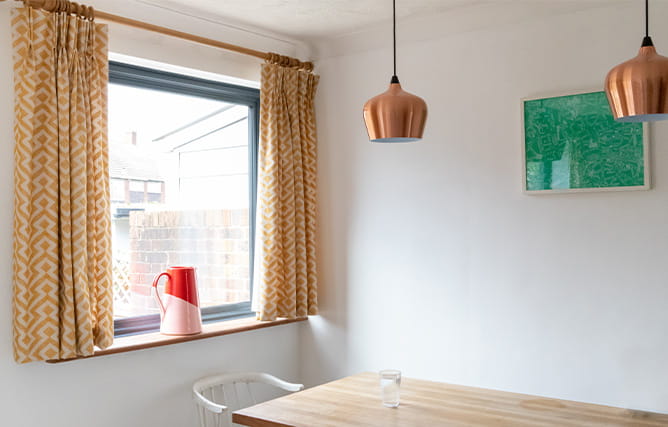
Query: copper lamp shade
395	116
638	89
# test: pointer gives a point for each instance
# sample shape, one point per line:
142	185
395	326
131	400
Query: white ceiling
308	19
323	19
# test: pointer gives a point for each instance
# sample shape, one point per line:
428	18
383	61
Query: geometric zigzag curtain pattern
285	282
62	301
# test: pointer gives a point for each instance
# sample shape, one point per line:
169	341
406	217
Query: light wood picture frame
571	143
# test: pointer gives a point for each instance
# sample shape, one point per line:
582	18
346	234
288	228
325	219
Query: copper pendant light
638	89
395	115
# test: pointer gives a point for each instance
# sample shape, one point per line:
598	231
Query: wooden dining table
355	401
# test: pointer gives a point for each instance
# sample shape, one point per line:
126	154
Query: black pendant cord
647	41
646	18
395	79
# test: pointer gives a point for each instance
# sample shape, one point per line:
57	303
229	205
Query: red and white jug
179	305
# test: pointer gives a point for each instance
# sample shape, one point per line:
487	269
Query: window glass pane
154	187
137	185
136	197
234	189
225	161
154	198
117	188
186	160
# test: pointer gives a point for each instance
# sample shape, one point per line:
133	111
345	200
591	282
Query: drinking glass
390	380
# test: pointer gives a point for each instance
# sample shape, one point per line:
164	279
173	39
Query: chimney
131	137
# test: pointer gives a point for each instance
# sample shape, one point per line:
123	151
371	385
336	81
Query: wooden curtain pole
174	33
87	12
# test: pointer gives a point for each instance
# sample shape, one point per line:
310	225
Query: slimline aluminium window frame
148	78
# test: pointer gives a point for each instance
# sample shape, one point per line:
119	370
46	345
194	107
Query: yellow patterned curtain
62	249
285	282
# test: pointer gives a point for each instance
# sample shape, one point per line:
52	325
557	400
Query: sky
152	112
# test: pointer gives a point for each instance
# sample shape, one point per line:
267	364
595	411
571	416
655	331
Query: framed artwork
571	143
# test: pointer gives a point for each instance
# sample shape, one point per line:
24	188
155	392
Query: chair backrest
218	396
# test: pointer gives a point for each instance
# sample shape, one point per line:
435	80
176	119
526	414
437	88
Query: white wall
157	47
143	388
432	260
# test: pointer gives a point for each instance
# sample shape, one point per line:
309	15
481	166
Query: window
182	154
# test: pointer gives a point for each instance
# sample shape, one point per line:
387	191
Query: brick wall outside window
213	241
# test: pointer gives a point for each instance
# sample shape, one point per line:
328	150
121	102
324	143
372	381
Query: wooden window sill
156	339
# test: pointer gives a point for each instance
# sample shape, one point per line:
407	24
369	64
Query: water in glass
390	381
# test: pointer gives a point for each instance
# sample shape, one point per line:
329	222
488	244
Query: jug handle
155	287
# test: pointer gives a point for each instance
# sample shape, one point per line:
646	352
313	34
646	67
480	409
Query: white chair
218	396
